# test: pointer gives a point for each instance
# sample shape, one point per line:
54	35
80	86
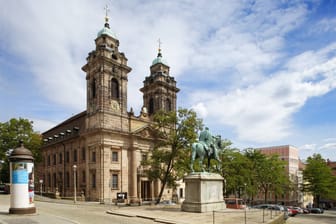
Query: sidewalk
172	214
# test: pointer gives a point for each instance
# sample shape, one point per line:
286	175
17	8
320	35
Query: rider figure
207	139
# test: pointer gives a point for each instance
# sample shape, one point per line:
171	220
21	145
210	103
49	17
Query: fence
247	216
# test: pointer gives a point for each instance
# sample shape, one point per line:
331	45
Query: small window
83	176
54	179
60	158
93	179
83	154
114	88
114	156
54	159
114	181
151	106
93	157
67	157
168	106
48	160
93	88
67	177
75	155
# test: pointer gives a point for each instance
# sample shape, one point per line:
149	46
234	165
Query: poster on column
19	173
23	173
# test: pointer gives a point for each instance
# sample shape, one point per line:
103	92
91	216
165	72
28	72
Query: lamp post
41	183
75	193
224	187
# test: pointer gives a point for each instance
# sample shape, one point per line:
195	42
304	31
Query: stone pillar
203	192
133	177
22	181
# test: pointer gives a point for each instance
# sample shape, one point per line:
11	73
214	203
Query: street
328	217
55	213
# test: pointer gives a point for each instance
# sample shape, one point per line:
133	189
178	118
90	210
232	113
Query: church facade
100	149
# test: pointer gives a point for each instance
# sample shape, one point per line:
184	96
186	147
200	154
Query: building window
168	106
54	159
114	88
93	157
114	181
67	157
151	106
60	158
93	179
93	88
114	156
48	160
83	177
75	155
83	154
49	180
67	177
54	180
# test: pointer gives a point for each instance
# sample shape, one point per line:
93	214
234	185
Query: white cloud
263	112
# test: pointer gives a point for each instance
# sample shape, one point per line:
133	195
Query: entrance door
145	191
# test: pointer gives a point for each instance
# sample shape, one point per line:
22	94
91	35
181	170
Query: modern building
290	155
102	147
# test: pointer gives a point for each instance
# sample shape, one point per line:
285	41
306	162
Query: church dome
107	31
159	59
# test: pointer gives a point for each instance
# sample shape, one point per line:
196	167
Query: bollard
22	181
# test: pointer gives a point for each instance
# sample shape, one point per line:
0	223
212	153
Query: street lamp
75	194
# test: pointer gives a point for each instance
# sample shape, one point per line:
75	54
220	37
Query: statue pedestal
203	192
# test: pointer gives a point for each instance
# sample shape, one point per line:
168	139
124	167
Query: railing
248	216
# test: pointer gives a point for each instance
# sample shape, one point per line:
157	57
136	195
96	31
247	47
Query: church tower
106	77
159	90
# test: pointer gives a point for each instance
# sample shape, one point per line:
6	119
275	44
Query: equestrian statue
207	147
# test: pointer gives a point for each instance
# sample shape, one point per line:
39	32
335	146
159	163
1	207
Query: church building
100	149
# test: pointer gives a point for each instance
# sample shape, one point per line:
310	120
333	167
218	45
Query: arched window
115	88
93	88
151	106
168	106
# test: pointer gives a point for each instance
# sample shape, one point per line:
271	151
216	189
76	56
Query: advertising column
22	181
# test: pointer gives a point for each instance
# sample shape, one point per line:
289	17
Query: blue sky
260	73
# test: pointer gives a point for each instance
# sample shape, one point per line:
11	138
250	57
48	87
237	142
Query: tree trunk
164	182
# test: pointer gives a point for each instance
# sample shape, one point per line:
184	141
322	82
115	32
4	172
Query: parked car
300	210
306	211
316	210
292	212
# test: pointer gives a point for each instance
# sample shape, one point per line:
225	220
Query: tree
268	173
11	133
173	134
318	179
234	169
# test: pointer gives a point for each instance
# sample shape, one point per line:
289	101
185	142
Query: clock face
115	106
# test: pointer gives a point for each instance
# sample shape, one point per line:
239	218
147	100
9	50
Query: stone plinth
203	192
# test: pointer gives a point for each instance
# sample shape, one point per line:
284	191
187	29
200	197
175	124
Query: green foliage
250	172
318	179
11	133
173	132
267	173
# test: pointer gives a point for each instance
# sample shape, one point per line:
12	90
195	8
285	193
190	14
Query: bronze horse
198	151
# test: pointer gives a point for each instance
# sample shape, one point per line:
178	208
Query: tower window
93	88
151	106
115	88
168	106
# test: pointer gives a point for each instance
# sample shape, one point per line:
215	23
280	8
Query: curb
157	220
